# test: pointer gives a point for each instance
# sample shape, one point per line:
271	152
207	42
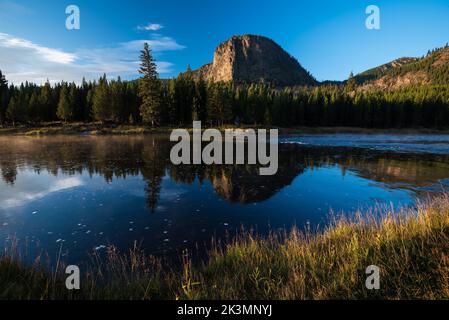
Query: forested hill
431	69
378	72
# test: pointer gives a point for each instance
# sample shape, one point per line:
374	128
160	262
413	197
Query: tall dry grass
411	247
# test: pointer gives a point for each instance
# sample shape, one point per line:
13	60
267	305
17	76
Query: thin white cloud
151	27
8	42
23	60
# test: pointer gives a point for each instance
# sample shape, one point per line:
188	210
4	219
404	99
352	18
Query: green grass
411	247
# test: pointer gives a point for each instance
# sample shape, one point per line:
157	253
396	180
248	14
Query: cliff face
252	58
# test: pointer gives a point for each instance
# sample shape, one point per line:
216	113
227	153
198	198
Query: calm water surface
84	193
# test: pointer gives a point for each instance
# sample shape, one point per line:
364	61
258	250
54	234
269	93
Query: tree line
179	101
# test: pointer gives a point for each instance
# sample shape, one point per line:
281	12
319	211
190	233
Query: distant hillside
252	58
431	69
378	72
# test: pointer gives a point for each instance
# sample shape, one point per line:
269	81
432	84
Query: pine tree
351	83
88	106
13	110
33	107
74	101
252	104
65	110
219	106
170	102
149	88
185	95
3	82
46	102
213	104
101	101
3	96
200	101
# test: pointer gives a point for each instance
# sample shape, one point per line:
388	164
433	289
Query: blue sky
329	38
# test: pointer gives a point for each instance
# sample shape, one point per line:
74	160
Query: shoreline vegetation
97	128
410	246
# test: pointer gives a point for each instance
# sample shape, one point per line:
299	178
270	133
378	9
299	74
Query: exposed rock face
251	58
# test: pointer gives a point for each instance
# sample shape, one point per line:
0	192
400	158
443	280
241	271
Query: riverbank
410	247
81	129
93	128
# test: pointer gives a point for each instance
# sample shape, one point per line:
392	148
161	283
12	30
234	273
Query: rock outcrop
251	58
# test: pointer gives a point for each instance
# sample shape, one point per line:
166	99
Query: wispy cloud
150	27
9	43
23	60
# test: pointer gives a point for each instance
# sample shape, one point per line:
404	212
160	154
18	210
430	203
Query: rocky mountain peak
252	58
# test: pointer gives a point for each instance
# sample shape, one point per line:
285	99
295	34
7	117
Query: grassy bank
81	128
411	248
95	128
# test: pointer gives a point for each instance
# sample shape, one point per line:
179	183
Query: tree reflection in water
149	156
